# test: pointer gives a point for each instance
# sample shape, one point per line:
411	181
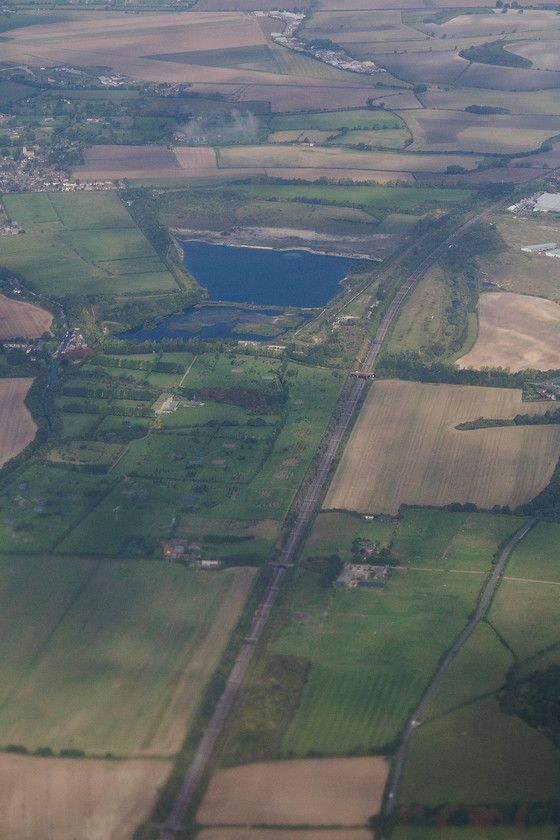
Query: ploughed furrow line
175	821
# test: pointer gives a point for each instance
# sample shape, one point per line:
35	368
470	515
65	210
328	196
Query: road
175	821
415	719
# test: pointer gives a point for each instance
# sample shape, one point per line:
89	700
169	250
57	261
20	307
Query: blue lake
264	276
258	276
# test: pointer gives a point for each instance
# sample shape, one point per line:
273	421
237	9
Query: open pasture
525	612
536	557
509	78
479	668
97	210
447	131
359	118
48	798
340	791
251	157
372	199
42	504
493	24
335	532
478	754
543	55
371	653
438	67
22	320
17	428
447	541
404	449
76	254
116	654
515	332
545	102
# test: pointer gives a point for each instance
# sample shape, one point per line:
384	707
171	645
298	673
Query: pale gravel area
314	792
516	332
359	247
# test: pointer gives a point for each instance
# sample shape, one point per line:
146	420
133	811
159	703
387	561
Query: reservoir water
264	276
253	276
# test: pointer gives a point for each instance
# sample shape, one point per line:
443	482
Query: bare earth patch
22	320
515	332
48	799
404	449
326	791
17	428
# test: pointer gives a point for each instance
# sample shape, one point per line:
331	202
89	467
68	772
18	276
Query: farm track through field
480	613
176	819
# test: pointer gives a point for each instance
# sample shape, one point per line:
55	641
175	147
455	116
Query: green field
72	241
99	648
441	539
478	754
543	832
371	653
338	120
237	454
468	750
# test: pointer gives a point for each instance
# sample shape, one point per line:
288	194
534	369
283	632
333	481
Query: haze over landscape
279	459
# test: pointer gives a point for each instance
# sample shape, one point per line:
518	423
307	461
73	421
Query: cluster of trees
480	816
104	392
536	699
547	419
493	52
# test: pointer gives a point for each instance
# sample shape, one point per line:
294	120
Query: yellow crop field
17	428
405	449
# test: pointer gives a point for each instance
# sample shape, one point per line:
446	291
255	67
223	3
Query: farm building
362	574
540	249
547	203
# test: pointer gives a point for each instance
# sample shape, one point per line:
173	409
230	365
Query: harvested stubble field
404	449
545	102
447	131
515	332
328	791
311	157
16	423
48	798
22	320
112	162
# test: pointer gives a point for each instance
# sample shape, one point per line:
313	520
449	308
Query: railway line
175	821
